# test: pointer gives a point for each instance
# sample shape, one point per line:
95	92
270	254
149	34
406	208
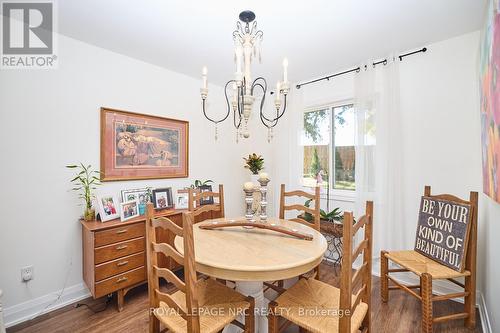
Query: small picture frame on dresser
182	199
107	205
162	198
206	200
129	210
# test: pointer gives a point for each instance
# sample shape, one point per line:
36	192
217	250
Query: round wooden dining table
251	256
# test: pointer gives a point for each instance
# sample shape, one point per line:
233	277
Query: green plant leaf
76	178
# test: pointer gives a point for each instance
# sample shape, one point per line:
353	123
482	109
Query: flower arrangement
254	163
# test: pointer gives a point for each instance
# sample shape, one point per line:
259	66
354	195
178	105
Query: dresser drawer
120	265
118	250
121	281
119	234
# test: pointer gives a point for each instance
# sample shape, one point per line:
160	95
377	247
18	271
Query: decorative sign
443	231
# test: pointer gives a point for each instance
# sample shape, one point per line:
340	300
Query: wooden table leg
120	294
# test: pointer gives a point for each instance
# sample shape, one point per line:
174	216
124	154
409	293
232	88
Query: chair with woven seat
428	270
318	307
198	306
278	286
209	211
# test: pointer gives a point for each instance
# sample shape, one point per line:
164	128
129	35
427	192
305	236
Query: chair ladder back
166	298
190	273
169	276
349	280
345	274
191	199
195	196
367	260
167	224
471	241
151	258
471	253
187	260
470	263
315	212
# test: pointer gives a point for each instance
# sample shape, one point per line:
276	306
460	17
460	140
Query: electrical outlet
27	273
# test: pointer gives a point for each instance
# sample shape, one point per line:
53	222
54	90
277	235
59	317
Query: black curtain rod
357	69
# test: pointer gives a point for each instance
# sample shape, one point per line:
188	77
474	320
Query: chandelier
240	100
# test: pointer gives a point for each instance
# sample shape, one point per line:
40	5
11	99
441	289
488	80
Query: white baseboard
442	287
483	314
28	310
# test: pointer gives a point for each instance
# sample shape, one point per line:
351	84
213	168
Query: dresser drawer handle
121	231
122	263
121	247
122	279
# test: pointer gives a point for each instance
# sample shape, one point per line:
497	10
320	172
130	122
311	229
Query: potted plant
197	183
254	163
85	182
331	222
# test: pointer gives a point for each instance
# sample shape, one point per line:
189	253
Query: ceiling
318	37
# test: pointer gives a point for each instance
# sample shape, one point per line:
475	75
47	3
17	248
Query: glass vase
89	214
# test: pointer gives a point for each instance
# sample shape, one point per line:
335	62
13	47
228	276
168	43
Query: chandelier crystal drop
240	91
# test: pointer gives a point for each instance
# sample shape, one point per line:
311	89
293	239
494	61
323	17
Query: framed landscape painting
139	146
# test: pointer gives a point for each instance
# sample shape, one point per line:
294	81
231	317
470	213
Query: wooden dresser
114	253
114	256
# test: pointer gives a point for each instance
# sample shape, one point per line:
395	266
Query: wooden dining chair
318	307
210	211
315	212
198	306
278	286
428	270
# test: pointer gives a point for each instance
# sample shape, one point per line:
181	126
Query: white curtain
288	154
379	152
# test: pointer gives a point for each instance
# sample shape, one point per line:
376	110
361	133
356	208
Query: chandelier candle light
247	45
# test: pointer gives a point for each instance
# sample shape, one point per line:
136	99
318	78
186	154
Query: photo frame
209	200
162	198
129	210
139	194
140	146
108	207
182	200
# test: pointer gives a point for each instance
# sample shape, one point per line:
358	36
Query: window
329	155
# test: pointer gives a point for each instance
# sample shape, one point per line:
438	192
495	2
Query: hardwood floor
401	314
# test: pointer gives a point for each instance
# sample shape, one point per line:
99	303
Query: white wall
489	248
51	119
440	123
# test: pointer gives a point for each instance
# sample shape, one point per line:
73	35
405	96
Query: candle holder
263	199
249	203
